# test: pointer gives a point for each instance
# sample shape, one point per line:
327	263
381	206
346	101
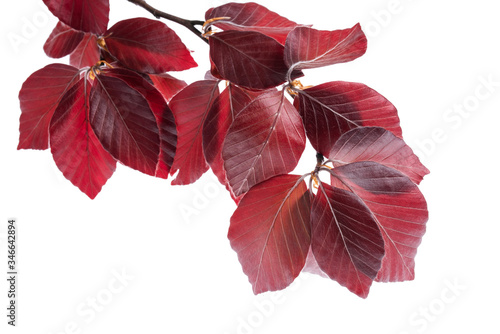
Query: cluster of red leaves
116	103
93	113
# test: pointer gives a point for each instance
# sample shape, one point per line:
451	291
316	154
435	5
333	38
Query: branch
159	14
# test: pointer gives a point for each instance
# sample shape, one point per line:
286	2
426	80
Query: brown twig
190	24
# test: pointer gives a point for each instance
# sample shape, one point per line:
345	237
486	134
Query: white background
430	58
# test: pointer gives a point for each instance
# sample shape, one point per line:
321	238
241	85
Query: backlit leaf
310	48
167	85
39	97
84	15
86	53
270	231
76	150
346	241
124	123
148	46
220	117
190	108
331	109
400	211
378	145
163	114
251	17
266	139
249	59
62	41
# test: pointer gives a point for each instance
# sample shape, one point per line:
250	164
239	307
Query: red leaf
167	85
378	145
62	41
249	59
400	211
76	150
86	53
190	108
214	72
333	108
270	231
163	114
346	241
310	48
251	17
266	139
312	266
39	97
148	46
220	117
84	15
124	123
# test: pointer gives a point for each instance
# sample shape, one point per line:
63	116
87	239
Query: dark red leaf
84	15
249	59
167	85
86	53
168	143
76	150
270	231
400	211
39	97
220	117
124	123
378	145
214	72
163	114
251	17
148	46
190	108
310	48
266	139
62	41
333	108
346	241
217	122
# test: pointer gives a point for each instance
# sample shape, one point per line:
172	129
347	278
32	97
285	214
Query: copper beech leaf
249	59
39	97
310	48
163	114
214	72
378	145
148	46
62	41
86	53
346	241
265	139
167	85
270	232
76	150
84	15
399	209
190	108
220	117
124	123
251	17
331	109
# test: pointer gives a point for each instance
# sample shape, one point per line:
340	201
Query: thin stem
190	24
